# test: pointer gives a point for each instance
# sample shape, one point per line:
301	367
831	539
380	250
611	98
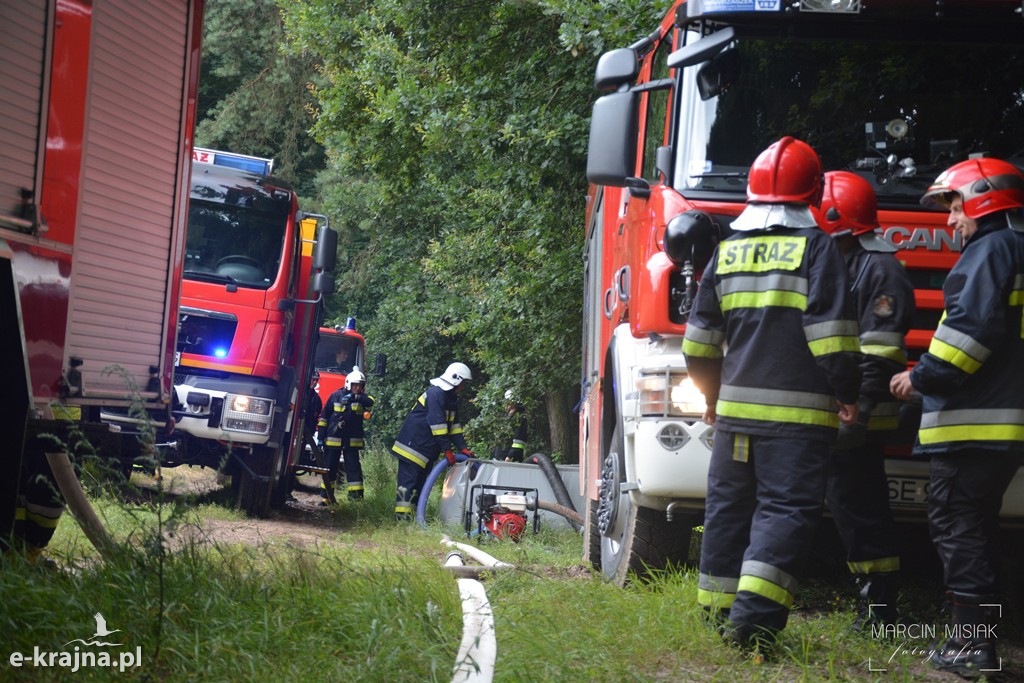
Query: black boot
971	649
876	600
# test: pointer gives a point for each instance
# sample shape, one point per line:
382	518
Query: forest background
446	142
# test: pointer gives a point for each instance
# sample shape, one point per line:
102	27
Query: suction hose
74	496
439	467
557	485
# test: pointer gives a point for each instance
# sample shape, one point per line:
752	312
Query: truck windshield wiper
730	174
210	277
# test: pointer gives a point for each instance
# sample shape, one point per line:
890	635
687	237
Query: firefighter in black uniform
771	346
432	426
858	491
972	422
332	421
355	408
516	450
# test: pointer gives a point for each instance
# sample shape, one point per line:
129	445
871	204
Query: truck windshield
235	236
336	353
897	114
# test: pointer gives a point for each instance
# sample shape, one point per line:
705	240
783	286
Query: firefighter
431	427
772	348
355	406
516	450
972	423
329	434
858	491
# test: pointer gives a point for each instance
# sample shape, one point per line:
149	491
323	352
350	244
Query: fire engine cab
895	92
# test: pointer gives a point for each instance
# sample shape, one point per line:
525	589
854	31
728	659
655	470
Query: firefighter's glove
468	453
450	457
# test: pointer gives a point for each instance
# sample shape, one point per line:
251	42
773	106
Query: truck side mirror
611	152
715	77
615	68
380	365
323	282
326	256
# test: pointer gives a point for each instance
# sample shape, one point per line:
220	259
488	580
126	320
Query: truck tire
635	541
254	491
592	537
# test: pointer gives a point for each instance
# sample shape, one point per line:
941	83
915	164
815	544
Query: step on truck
894	91
97	113
256	269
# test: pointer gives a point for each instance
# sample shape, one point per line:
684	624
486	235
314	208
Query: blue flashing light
220	353
350	324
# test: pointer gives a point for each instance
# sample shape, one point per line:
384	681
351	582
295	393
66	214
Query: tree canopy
455	137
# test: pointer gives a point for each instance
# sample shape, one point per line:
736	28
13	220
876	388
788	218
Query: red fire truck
894	91
97	113
256	269
338	350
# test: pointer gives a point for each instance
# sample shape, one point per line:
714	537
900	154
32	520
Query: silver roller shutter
119	280
23	31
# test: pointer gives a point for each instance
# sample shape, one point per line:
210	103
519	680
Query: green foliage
456	137
254	97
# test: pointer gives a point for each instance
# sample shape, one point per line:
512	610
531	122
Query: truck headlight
247	414
667	393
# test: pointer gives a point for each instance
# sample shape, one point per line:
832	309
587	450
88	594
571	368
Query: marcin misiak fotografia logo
925	641
92	652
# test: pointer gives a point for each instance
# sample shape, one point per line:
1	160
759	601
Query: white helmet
453	376
354	377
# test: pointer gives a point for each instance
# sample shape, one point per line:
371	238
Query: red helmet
848	205
986	185
788	171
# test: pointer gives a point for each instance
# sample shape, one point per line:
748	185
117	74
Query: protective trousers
411	479
964	499
765	497
858	498
353	473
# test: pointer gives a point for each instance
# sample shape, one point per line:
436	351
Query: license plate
908	491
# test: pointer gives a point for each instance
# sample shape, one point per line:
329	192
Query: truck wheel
592	537
635	541
254	491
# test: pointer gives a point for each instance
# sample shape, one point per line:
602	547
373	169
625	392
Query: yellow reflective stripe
439	431
355	487
321	423
339	407
882	564
741	448
972	432
883	423
894	353
698	350
333	441
403	508
409	455
715	599
823	347
422	399
764	299
40	520
953	356
457	429
756	411
19	514
355	443
766	589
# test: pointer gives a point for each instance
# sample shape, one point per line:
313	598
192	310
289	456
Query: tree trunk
563	425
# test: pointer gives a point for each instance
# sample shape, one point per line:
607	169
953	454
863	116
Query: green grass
369	601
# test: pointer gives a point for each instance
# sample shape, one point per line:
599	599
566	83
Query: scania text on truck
895	92
97	114
256	269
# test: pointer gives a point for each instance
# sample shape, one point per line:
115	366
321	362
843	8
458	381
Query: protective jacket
968	376
517	449
779	299
342	419
884	296
431	427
